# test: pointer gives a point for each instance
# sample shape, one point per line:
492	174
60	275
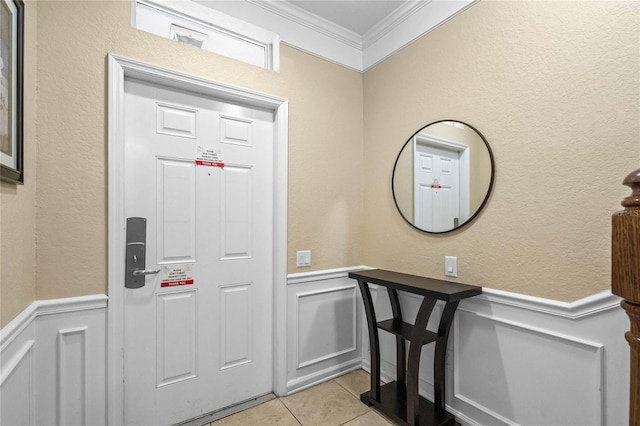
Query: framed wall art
11	90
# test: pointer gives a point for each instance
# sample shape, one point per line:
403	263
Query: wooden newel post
625	279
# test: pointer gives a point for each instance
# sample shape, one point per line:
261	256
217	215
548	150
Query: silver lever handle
139	272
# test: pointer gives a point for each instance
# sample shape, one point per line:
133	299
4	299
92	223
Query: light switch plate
303	258
451	266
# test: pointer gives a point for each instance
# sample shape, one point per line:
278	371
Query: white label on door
208	157
176	275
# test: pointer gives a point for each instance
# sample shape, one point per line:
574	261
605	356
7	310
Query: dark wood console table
400	399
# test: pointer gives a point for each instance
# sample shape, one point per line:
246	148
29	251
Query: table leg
439	358
401	354
374	343
413	363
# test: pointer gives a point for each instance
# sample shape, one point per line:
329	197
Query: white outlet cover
303	258
451	266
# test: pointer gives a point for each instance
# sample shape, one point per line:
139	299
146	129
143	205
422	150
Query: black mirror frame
484	201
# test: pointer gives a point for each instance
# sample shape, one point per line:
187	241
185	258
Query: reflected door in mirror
437	183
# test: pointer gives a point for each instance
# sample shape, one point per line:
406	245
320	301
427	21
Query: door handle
139	272
135	269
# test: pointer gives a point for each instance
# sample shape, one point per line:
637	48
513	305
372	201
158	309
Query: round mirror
443	176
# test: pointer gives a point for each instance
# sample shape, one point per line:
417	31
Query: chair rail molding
49	307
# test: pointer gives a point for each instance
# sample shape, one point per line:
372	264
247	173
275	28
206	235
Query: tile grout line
346	387
370	408
350	393
291	412
357	397
356	417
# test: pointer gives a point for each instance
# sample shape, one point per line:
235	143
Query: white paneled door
437	188
198	334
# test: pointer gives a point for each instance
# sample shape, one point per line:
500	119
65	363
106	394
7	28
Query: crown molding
392	21
406	25
320	37
311	21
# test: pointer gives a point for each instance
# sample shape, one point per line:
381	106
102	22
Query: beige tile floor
333	403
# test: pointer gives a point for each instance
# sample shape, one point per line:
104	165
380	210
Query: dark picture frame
11	90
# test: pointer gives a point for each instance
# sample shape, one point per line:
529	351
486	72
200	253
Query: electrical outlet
303	258
451	266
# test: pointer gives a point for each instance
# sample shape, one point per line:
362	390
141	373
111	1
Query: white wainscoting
530	361
53	364
520	360
324	317
512	359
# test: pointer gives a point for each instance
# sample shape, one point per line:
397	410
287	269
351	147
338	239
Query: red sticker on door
173	276
175	283
209	163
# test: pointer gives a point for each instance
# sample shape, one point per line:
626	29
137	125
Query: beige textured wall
403	183
325	140
18	202
554	87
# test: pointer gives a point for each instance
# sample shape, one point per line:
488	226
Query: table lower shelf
393	402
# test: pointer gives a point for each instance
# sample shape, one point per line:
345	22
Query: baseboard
315	378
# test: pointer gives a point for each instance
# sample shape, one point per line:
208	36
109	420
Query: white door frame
119	68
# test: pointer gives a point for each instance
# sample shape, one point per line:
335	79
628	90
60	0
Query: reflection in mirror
443	176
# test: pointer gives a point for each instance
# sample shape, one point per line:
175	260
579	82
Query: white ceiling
358	16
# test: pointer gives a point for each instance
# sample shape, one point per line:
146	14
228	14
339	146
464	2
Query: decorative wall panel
524	369
325	327
326	324
17	386
72	376
53	364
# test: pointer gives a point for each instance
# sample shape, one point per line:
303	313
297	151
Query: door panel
177	121
235	131
236	210
176	208
235	319
177	331
198	335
